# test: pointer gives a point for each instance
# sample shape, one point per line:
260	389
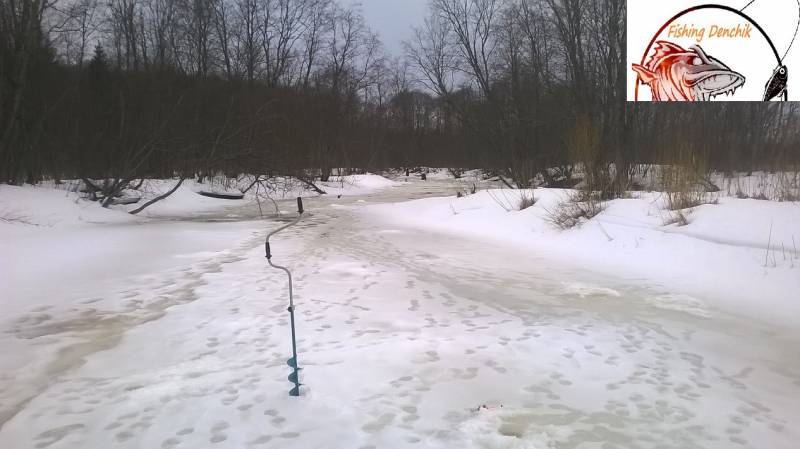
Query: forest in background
124	90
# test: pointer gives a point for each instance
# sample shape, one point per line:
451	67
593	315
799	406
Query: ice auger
292	362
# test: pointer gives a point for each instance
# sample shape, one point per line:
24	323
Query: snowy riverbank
719	260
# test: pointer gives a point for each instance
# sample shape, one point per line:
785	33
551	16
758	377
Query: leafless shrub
676	218
792	197
788	187
501	199
782	186
680	200
583	144
560	177
526	200
685	185
265	189
343	181
578	207
511	200
456	173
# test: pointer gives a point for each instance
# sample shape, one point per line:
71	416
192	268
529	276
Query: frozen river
180	341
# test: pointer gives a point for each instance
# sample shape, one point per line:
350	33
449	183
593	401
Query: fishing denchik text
739	31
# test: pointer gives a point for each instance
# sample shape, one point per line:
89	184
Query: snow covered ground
170	331
720	258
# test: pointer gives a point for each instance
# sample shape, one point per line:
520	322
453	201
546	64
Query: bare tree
346	31
472	23
432	55
248	38
221	19
125	16
161	23
198	16
282	28
568	17
318	15
73	28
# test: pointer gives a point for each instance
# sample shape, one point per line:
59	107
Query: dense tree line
126	89
541	84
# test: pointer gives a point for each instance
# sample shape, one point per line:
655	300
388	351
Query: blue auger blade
295	392
292	362
294	377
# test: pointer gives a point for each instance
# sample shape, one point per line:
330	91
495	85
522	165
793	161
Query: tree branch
158	198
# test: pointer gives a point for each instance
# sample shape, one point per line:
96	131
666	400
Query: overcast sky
393	20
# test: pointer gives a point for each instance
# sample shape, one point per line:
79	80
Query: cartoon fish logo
676	74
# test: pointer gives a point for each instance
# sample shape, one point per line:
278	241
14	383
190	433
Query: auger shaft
294	377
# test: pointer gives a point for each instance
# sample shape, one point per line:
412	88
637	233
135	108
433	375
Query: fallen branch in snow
310	184
158	198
